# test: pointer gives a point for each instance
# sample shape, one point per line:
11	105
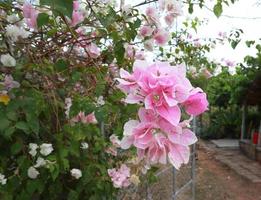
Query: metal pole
148	192
193	162
243	126
174	184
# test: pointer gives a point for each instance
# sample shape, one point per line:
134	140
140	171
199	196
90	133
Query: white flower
148	45
8	60
84	145
32	173
68	104
76	173
127	9
100	101
2	179
40	162
14	32
12	18
46	149
33	147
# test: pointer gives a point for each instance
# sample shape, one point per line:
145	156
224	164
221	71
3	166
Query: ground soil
215	181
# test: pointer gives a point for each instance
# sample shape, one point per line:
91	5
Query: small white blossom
46	149
84	145
8	60
100	101
2	179
127	9
33	147
68	104
32	173
12	18
76	173
40	162
14	32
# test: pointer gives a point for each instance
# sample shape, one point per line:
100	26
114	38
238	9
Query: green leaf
61	65
4	123
64	7
218	9
119	51
73	195
190	9
16	148
9	132
22	126
12	115
42	19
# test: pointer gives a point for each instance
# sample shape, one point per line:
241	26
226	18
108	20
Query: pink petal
171	114
187	137
126	142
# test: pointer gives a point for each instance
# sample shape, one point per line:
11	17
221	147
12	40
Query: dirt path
216	181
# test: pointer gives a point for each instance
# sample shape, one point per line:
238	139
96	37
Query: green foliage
218	9
64	7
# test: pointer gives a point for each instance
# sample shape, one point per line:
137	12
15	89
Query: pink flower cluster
152	27
77	15
120	177
30	14
159	135
85	119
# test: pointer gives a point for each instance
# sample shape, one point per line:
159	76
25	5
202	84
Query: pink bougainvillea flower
152	14
76	5
174	7
30	15
9	83
161	37
115	140
159	86
28	10
112	151
196	103
81	117
206	73
140	55
162	4
162	150
77	15
129	51
146	31
159	136
93	50
138	134
169	19
120	177
91	119
178	155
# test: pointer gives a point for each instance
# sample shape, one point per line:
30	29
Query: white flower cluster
76	173
7	60
68	104
45	150
99	101
14	32
3	180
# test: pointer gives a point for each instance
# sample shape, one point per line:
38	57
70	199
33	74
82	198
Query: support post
193	162
243	125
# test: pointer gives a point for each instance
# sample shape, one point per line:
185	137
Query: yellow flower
4	98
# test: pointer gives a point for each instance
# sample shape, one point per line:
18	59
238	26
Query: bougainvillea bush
84	110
